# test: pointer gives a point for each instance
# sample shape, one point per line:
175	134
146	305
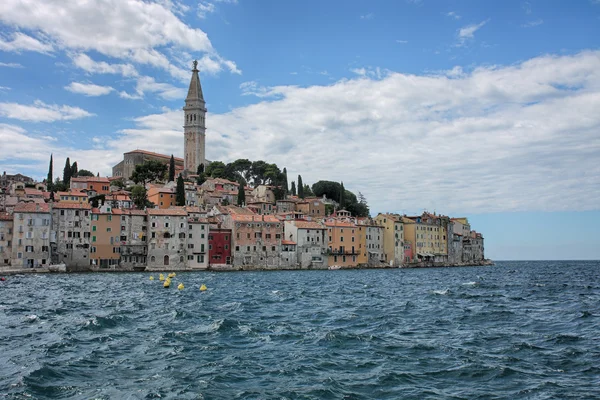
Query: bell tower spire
195	125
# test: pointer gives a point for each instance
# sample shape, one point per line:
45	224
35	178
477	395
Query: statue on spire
195	63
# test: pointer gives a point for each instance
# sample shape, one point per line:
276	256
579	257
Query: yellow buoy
171	275
203	287
167	283
151	278
161	277
180	286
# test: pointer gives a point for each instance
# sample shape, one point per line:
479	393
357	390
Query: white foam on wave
441	292
31	317
470	284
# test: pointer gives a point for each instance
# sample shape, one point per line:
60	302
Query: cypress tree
342	195
300	187
74	170
180	193
241	199
293	190
172	169
49	178
286	180
67	172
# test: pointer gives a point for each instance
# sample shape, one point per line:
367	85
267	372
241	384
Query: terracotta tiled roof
33	192
167	211
288	242
92	179
254	218
149	153
31	208
198	220
308	225
85	206
122	211
340	224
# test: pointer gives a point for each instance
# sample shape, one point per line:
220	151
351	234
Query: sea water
516	330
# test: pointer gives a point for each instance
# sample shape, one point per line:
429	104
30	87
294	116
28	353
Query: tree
293	189
74	170
300	187
95	201
307	191
285	180
49	178
139	196
180	193
201	176
149	171
118	183
330	189
85	172
241	198
172	169
67	172
342	195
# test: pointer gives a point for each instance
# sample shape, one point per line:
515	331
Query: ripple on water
457	333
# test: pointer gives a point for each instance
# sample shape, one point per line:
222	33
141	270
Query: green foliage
74	170
279	192
59	186
342	193
49	178
150	171
67	173
285	180
329	208
300	187
330	189
307	191
139	196
85	172
172	169
225	202
118	183
241	198
180	192
293	189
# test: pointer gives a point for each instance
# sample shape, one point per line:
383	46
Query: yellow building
71	197
393	238
428	238
105	238
345	243
162	197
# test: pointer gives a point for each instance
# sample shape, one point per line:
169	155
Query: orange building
345	242
95	184
105	242
162	197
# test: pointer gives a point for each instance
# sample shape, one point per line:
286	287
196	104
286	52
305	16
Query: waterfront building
342	243
393	238
219	246
195	124
198	243
105	248
132	237
31	235
455	242
70	234
473	250
310	242
256	239
373	243
436	231
6	237
167	240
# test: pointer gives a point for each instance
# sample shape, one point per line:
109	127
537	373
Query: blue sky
480	109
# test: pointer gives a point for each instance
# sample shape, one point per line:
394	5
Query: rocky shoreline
231	268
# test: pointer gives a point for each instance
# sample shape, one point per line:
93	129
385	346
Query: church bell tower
194	129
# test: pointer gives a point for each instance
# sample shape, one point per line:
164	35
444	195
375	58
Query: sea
515	330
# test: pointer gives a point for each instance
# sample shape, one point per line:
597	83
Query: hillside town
159	212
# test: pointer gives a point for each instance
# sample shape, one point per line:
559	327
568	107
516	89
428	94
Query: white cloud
42	112
132	30
204	8
125	95
453	14
402	41
371	72
497	138
86	63
88	89
532	24
147	84
468	32
10	65
22	42
367	16
526	7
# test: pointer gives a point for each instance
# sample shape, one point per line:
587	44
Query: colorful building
162	197
393	238
256	240
344	244
219	246
6	237
105	246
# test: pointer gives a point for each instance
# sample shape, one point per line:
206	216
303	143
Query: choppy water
526	330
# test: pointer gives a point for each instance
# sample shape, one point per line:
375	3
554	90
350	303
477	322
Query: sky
489	110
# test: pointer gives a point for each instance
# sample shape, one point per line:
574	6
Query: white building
197	243
70	238
31	235
167	239
311	244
